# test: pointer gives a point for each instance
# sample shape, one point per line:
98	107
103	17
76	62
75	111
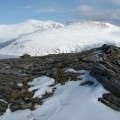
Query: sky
14	11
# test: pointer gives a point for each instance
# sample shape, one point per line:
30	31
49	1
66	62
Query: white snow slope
69	102
73	37
15	31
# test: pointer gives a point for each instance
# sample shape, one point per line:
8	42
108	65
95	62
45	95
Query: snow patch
41	85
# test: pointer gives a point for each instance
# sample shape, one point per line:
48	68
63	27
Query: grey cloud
94	12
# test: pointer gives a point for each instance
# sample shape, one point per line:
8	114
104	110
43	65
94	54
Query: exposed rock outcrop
103	64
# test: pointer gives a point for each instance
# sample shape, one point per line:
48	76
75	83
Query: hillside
76	86
69	38
10	33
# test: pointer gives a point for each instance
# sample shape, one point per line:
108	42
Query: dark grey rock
103	64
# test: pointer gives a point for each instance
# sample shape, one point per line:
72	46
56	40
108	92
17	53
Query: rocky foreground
103	64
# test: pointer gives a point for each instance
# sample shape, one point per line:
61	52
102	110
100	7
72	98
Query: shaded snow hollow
70	38
69	102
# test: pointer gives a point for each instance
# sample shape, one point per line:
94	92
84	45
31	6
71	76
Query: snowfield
69	102
16	31
69	38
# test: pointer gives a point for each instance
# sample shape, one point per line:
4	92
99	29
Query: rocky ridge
103	64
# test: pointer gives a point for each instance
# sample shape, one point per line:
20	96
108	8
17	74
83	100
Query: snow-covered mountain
31	37
15	31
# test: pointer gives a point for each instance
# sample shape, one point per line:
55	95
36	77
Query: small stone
20	85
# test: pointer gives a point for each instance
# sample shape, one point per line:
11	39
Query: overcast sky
13	11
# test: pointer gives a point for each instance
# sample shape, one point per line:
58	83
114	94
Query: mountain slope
9	32
73	37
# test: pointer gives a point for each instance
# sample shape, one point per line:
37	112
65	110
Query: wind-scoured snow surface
36	40
69	102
